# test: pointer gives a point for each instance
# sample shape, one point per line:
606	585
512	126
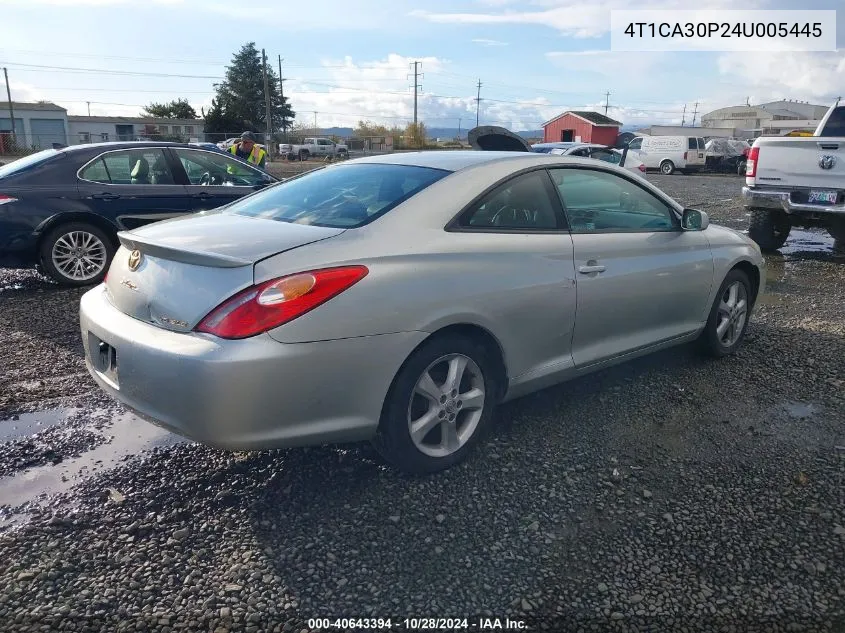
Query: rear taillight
641	167
278	301
6	199
751	163
685	155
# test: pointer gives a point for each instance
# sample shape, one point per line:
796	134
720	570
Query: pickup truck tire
740	168
304	154
667	168
769	228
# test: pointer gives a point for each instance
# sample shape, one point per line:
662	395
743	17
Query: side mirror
694	220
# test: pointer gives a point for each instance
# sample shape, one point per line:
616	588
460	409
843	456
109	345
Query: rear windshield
345	196
26	162
835	125
692	143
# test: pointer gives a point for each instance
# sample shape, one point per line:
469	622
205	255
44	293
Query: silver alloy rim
733	310
446	405
667	168
79	255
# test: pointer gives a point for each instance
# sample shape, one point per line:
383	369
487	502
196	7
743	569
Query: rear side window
27	162
345	196
835	125
692	143
130	167
521	204
701	144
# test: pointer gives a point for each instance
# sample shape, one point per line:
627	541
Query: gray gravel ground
672	493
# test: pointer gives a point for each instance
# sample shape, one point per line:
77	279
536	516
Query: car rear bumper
782	200
253	393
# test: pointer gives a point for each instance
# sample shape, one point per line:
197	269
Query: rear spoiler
196	257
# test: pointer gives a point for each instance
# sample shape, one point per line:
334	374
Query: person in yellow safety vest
248	150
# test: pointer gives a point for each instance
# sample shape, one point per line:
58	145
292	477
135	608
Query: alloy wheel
79	255
733	311
446	405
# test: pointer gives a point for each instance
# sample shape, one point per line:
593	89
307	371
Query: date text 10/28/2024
417	624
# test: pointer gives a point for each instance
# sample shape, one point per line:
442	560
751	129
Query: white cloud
25	93
793	75
81	3
570	17
486	42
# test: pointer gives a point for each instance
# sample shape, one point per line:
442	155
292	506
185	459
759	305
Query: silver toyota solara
399	298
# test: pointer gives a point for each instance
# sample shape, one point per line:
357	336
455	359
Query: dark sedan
61	209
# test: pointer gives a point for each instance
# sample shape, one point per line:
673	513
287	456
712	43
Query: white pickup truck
798	181
314	147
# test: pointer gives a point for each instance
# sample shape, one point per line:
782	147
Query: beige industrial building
774	118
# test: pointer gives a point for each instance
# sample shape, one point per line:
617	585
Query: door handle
105	196
203	195
594	268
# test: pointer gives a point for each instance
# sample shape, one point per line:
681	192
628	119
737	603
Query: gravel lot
669	493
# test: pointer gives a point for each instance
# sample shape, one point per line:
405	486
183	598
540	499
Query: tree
178	109
239	104
415	135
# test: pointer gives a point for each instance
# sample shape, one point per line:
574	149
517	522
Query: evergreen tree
239	103
178	109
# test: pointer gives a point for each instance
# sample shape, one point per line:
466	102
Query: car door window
600	202
522	203
215	169
607	155
130	167
636	143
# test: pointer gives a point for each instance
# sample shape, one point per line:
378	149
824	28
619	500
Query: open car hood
493	138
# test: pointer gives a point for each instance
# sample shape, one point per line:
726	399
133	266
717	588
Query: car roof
111	145
448	160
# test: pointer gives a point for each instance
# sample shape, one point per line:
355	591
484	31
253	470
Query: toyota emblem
134	260
826	161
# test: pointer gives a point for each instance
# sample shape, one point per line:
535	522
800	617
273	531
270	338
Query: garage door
45	132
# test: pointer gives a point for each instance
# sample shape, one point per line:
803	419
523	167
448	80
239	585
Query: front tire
769	228
667	168
76	254
304	154
439	405
728	318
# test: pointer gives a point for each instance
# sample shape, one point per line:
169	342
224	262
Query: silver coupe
399	298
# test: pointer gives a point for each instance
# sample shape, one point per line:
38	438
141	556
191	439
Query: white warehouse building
776	117
37	125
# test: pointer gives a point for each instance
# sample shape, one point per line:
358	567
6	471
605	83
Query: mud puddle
805	244
31	489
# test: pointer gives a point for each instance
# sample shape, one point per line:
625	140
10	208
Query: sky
349	60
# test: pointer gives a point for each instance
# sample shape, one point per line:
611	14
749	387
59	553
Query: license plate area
822	197
103	359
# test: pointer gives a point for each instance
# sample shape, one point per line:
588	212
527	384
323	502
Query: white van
669	153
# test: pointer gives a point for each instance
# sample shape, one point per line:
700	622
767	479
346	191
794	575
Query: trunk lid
492	138
173	273
801	162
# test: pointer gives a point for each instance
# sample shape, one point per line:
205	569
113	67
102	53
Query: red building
583	126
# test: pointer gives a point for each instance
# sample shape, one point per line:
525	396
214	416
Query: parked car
669	153
211	147
726	155
547	148
313	147
601	152
225	145
398	298
61	210
798	181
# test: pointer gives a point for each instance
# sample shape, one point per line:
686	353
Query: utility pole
282	94
417	86
11	107
748	101
478	103
606	102
89	107
459	128
684	116
315	122
268	122
695	112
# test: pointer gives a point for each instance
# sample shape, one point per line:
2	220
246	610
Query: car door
213	179
132	187
519	234
635	148
641	278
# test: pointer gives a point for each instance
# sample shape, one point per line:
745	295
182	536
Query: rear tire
451	415
769	228
667	168
76	254
304	154
728	318
740	168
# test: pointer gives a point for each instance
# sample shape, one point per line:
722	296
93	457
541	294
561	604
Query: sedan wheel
728	320
446	405
76	254
438	406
